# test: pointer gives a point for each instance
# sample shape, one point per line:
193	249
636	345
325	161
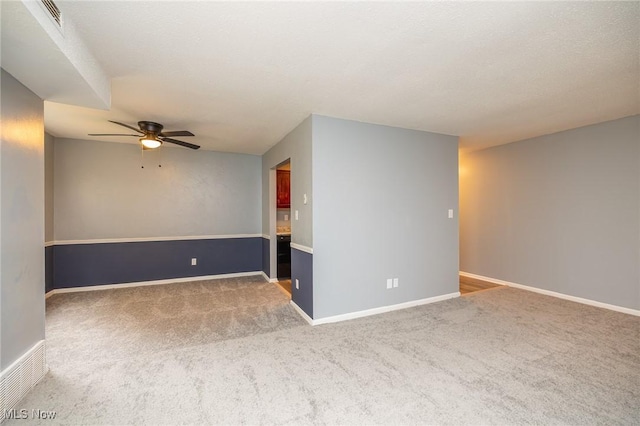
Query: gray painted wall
48	187
381	198
559	212
101	191
296	146
21	221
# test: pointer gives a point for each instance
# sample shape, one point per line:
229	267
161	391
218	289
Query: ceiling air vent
53	10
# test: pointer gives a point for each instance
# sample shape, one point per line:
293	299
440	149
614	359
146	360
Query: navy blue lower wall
266	259
302	270
80	265
48	269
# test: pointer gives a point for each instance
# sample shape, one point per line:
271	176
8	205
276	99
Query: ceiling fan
151	135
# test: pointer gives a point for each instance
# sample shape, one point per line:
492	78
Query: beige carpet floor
234	352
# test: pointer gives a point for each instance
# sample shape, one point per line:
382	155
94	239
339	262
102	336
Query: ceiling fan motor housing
150	127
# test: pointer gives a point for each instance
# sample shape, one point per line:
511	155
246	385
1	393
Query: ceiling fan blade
177	133
111	134
127	126
177	142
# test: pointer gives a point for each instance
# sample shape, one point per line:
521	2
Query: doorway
283	225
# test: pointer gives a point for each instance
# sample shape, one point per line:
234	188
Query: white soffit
52	62
241	75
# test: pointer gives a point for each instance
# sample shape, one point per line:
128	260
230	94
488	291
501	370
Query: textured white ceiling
242	75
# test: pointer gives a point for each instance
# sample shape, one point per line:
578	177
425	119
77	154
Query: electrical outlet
450	213
194	261
286	217
296	214
297	284
395	282
389	283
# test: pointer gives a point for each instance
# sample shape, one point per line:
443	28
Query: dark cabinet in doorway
284	256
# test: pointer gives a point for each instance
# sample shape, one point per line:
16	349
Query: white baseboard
271	280
145	283
374	311
302	313
20	377
481	278
590	302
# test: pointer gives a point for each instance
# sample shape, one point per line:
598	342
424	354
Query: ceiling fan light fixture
150	142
